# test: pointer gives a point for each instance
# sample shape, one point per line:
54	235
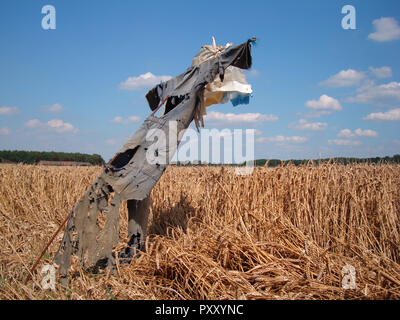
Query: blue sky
318	89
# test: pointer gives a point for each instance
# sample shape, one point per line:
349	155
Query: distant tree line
33	157
339	160
278	162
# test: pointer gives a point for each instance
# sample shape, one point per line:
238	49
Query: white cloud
346	133
345	142
4	131
215	117
55	108
110	141
61	126
143	81
283	139
34	123
391	115
316	113
324	103
8	110
130	119
303	124
56	125
387	29
382	94
253	72
382	72
365	133
345	78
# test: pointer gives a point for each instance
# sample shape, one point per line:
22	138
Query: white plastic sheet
234	79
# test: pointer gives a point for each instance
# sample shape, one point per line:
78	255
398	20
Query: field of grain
283	233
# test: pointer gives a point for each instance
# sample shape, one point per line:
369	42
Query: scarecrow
215	76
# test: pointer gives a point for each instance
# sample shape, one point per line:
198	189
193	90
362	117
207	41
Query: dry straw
282	233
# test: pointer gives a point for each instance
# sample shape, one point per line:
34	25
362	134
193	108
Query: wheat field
282	233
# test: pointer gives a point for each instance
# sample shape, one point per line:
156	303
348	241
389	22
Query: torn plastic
234	86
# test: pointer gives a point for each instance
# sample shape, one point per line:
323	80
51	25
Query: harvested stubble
282	233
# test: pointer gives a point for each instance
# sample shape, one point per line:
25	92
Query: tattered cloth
196	77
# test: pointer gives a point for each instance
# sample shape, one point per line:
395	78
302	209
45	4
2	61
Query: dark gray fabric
196	77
